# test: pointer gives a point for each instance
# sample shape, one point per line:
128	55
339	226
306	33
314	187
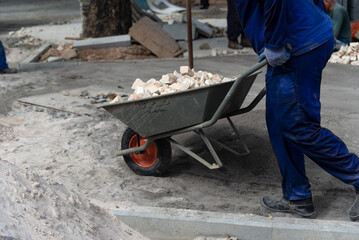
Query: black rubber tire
164	153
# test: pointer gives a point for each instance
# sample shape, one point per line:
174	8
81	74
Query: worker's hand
276	56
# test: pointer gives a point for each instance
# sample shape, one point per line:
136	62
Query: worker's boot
354	210
302	207
234	45
8	71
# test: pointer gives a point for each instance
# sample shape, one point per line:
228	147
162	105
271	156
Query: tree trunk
106	17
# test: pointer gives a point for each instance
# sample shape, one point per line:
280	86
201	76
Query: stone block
105	42
185	70
54	59
176	86
37	54
69	54
138	83
201	27
178	31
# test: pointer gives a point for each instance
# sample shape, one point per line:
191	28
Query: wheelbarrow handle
233	89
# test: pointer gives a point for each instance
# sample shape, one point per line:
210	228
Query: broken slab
69	54
54	59
149	34
201	27
104	42
179	31
37	54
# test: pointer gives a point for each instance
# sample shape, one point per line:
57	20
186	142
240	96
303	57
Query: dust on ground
79	151
32	208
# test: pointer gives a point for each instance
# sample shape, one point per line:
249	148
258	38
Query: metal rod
51	108
210	147
250	106
192	154
224	146
239	137
189	33
135	149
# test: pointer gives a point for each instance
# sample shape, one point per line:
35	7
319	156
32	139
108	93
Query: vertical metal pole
189	33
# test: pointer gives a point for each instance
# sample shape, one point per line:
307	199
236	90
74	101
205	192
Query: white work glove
276	56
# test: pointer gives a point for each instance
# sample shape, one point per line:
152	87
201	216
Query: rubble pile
22	39
187	78
101	97
347	55
59	53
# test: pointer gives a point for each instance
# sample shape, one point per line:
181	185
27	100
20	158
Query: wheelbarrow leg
239	137
192	154
210	147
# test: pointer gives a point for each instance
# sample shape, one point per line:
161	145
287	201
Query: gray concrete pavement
15	14
234	188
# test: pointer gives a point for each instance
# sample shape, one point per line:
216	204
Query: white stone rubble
347	55
187	78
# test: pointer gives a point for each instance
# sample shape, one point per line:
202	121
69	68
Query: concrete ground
15	14
79	151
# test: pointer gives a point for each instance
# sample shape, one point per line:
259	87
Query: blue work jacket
273	23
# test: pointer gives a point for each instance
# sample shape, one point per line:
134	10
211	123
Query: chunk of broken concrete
69	54
54	59
138	83
185	70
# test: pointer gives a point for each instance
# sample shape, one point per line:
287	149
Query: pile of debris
59	53
187	78
67	52
21	39
102	97
347	55
148	38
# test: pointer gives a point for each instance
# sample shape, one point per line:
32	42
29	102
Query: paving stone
105	42
178	31
201	27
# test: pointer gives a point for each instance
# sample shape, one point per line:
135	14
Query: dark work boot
354	210
302	207
234	45
8	71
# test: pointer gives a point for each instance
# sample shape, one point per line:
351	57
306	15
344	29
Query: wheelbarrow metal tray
164	113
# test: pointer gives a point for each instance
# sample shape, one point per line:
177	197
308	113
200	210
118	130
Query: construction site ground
76	146
79	151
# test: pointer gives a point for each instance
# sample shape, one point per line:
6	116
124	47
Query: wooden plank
150	34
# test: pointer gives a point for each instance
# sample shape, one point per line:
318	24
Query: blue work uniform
293	89
3	64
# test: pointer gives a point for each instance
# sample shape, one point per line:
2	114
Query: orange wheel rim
147	158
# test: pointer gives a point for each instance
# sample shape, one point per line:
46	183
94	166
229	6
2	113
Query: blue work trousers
3	64
293	122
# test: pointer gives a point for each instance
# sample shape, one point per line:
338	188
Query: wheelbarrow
146	143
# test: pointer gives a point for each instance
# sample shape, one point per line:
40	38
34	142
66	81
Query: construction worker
4	68
293	89
341	21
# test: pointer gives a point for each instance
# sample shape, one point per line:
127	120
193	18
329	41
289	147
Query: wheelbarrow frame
198	128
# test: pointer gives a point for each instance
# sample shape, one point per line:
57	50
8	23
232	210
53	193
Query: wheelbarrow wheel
153	161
